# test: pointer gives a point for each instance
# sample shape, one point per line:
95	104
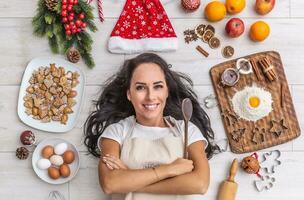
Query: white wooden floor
18	46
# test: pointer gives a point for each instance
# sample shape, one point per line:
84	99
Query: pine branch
48	23
39	25
85	41
54	44
88	59
86	8
91	26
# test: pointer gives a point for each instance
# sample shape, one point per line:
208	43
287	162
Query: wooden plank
298	95
19	181
21	46
16	183
113	8
296	8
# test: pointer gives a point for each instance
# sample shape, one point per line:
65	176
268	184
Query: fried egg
252	103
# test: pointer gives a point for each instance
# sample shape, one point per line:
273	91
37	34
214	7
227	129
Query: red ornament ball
68	32
64	2
70	8
81	16
71	18
67	26
191	5
65	19
27	138
84	25
78	23
64	13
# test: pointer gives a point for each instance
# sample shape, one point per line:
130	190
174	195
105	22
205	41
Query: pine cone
51	4
22	153
73	55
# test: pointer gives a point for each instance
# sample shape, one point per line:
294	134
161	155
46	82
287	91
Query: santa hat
142	26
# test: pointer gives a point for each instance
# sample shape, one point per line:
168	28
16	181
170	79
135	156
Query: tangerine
215	11
259	31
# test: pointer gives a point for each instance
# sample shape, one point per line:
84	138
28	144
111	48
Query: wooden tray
246	136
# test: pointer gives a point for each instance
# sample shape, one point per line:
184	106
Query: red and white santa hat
142	26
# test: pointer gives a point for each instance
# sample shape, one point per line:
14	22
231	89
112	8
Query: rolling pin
228	188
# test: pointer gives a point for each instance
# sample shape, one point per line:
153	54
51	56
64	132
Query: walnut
74	83
64	119
69	75
35	111
40	78
72	94
30	90
67	110
71	102
28	104
75	75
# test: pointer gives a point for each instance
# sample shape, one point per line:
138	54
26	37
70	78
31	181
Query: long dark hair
113	105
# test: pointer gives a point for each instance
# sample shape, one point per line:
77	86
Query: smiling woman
137	131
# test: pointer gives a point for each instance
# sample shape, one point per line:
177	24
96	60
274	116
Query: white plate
52	126
43	174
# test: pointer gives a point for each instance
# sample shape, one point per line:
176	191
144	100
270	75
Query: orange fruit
259	31
215	11
235	6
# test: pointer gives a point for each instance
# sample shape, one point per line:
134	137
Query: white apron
140	153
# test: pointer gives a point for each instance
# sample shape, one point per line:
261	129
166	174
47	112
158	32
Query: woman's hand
180	166
113	163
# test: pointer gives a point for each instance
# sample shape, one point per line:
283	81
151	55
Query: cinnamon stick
255	69
268	69
202	51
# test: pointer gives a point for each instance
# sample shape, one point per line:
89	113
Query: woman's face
148	92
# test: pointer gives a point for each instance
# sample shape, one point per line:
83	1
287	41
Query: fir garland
49	23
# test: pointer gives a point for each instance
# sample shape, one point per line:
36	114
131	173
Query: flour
245	110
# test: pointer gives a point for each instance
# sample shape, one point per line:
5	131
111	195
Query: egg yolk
254	102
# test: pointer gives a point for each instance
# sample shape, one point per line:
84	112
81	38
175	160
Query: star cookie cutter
278	127
265	183
271	161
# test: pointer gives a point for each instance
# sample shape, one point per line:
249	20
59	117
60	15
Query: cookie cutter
269	164
244	66
266	183
210	101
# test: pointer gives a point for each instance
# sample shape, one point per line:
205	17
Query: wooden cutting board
280	126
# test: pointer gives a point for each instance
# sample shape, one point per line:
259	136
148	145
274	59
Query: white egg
56	160
43	163
252	103
60	148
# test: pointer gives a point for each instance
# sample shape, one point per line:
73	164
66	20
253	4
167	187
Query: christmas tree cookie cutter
271	161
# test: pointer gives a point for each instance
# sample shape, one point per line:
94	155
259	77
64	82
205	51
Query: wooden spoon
187	109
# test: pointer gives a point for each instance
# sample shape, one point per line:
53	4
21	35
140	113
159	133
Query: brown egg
65	170
53	172
68	156
47	151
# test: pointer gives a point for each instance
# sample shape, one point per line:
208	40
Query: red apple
235	27
263	7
